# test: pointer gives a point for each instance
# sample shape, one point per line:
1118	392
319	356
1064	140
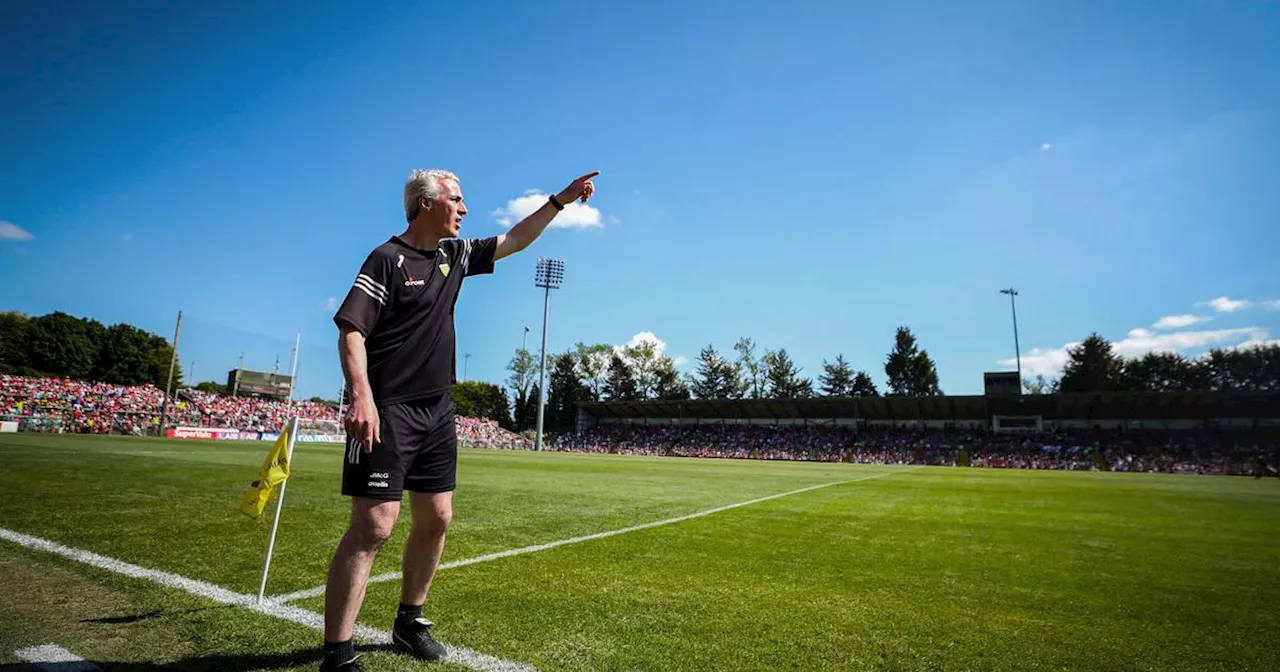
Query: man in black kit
396	343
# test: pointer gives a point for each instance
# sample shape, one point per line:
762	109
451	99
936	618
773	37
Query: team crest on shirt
444	268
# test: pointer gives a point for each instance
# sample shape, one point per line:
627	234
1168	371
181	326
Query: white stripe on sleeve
365	288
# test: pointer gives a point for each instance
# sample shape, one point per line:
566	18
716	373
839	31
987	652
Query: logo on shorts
380	474
377	484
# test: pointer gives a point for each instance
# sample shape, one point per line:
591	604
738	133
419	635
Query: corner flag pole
271	544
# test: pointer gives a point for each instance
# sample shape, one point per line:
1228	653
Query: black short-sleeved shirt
402	301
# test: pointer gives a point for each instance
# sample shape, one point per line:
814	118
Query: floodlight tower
549	276
1017	350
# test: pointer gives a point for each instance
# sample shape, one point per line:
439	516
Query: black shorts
418	452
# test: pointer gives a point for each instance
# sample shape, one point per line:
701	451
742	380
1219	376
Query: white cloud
646	336
1224	305
1138	343
331	304
1042	362
1179	321
1258	341
11	231
1137	346
1273	304
659	347
576	215
1046	146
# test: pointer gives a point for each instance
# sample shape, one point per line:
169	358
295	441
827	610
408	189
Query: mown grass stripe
489	557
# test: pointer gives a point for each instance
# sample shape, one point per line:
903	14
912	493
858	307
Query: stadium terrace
1175	432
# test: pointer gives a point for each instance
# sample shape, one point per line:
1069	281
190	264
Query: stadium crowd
1200	451
52	404
59	405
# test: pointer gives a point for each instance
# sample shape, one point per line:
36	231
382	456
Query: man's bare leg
371	524
432	514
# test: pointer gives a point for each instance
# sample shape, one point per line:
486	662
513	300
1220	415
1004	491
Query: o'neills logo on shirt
414	283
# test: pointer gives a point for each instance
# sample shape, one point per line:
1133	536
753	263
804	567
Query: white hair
423	183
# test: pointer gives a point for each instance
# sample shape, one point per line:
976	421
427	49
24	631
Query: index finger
588	176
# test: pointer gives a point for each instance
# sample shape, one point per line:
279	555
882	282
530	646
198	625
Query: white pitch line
393	576
54	658
468	657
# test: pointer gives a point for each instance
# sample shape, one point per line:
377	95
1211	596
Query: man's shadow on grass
231	662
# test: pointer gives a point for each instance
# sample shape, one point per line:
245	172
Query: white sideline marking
54	658
468	657
393	576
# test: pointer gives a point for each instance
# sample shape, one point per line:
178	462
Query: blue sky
811	175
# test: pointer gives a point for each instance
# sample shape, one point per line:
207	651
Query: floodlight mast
1017	351
549	276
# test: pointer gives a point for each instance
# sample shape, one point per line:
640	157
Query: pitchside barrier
309	431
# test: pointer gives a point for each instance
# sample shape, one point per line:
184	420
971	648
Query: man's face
445	212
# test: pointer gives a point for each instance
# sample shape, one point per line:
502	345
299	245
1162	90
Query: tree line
60	345
1094	366
640	372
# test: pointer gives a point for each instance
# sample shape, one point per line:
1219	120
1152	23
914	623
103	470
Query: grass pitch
929	569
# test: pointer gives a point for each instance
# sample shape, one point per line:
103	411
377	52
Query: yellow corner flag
273	472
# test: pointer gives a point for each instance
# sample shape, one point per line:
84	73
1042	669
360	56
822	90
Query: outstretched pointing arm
523	234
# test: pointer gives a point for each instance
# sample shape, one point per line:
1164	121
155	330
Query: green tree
669	385
531	408
13	343
837	378
158	360
1252	368
563	393
96	333
476	399
1092	367
1161	372
124	356
910	370
643	359
750	372
621	383
784	377
213	387
593	367
1264	366
715	377
524	371
1040	385
863	386
58	345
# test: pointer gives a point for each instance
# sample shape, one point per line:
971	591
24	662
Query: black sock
339	652
408	612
